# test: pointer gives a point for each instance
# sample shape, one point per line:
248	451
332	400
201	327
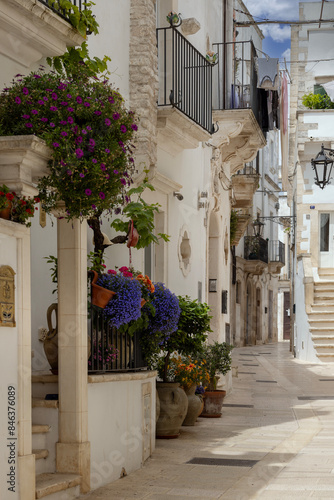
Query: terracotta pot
213	402
5	213
51	340
195	406
142	302
100	296
133	236
173	409
157	406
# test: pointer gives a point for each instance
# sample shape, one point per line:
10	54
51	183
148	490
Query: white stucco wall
9	377
117	416
303	344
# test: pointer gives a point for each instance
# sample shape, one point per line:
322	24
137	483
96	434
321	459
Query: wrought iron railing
185	77
276	251
236	89
255	248
247	170
54	5
106	341
109	349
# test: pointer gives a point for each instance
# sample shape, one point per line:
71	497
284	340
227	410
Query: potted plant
188	337
125	305
174	19
16	208
84	122
218	361
189	373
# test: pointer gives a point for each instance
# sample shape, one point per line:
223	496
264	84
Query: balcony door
326	236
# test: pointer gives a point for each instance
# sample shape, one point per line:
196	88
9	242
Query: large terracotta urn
173	409
195	405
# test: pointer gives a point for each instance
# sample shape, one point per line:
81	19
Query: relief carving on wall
7	296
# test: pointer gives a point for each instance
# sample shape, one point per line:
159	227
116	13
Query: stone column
73	448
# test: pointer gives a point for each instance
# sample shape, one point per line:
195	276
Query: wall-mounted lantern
322	166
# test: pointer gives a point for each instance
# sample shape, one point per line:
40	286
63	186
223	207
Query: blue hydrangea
167	311
125	307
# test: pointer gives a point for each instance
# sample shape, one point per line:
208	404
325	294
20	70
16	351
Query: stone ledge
36	29
48	483
121	377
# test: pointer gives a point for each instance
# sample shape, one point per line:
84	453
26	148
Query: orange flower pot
100	296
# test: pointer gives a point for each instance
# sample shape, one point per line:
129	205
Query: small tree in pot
218	361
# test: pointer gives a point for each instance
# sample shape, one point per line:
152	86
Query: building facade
311	206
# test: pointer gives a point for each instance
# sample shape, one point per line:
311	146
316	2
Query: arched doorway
248	339
258	329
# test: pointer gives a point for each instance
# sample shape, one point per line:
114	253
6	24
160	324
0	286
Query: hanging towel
329	87
267	73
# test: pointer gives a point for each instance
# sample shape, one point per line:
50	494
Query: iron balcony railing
185	77
276	251
110	350
255	248
247	170
236	89
54	5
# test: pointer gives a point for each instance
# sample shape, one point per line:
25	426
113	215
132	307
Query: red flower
9	196
123	269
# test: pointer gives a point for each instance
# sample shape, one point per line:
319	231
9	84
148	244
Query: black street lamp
322	166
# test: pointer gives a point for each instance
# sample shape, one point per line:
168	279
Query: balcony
244	183
185	92
276	256
243	218
255	254
236	103
32	29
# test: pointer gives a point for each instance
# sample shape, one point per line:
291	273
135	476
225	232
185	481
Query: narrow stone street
275	439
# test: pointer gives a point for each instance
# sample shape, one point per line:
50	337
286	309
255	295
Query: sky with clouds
277	36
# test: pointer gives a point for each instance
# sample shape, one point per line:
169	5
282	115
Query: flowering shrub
105	355
89	130
147	286
167	311
22	208
188	372
5	197
125	307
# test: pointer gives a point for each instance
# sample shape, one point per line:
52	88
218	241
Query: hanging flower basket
100	296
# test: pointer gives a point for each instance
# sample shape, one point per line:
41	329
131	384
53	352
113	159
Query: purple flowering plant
125	306
92	159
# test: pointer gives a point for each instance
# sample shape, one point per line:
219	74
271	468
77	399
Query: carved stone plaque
7	296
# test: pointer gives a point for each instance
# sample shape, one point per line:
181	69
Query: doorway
326	239
286	316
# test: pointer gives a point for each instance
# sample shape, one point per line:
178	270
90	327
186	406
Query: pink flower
127	274
123	269
111	271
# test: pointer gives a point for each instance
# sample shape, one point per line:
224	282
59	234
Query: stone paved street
279	416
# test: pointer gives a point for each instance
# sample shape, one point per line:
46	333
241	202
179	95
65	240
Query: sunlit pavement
275	439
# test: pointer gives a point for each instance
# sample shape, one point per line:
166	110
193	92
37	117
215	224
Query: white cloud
274	9
286	54
279	33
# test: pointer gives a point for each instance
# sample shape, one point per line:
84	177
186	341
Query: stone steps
50	484
321	318
40	454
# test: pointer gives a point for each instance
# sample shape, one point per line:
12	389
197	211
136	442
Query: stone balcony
31	30
244	185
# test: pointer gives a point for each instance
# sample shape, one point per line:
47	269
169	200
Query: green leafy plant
233	225
51	259
191	333
74	57
317	101
218	360
142	215
83	20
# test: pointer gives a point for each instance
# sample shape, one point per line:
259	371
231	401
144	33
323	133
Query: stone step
51	483
45	403
326	272
40	428
320	323
326	357
322	339
315	331
43	384
321	316
40	454
324	348
322	308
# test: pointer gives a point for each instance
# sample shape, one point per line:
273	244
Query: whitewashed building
198	127
311	70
